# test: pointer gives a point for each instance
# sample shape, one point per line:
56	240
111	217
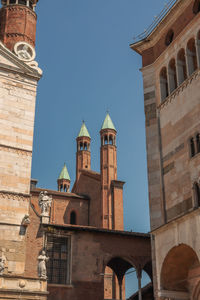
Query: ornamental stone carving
45	203
24	51
42	270
26	220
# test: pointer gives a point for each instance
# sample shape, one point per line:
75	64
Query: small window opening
31	4
197	194
81	146
169	37
198	142
192	147
172	75
181	66
196	7
192	56
85	146
105	140
73	218
12	1
22	2
163	84
110	140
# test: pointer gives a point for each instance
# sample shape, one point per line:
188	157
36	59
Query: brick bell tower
83	154
108	170
18	22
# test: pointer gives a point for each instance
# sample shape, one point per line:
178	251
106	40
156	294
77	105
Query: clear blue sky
83	49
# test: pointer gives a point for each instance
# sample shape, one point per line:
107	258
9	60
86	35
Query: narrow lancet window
163	84
181	66
192	56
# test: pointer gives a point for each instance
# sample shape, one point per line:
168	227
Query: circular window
169	37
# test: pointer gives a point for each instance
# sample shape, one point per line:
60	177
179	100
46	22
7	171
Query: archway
164	84
114	281
178	268
191	56
181	66
172	75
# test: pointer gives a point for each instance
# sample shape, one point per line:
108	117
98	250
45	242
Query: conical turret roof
84	131
64	174
108	124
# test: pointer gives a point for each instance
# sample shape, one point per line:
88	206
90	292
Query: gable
9	61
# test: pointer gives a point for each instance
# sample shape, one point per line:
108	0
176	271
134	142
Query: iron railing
156	21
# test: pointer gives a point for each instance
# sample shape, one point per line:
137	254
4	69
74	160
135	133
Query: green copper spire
64	173
108	124
84	131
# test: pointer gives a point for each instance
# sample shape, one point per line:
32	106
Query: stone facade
171	99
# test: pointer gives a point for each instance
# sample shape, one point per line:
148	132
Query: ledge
97	230
66	286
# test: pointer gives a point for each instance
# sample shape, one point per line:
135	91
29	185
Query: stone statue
42	270
23	53
26	220
2	264
45	203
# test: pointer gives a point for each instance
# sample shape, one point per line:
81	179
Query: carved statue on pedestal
42	270
45	203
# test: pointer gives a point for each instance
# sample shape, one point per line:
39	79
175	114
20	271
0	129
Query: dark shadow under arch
175	268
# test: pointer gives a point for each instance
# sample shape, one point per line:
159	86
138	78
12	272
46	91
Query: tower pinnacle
108	123
64	180
84	131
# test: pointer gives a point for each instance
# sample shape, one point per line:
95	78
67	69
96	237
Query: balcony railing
168	6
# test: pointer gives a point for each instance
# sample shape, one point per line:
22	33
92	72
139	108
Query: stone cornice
157	33
13	195
11	148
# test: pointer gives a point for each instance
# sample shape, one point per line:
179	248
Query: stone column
139	276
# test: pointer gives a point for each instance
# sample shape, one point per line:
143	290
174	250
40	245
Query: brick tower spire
108	169
18	22
83	155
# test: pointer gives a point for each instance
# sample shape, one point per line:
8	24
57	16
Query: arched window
12	1
181	66
198	142
163	84
169	37
85	146
111	140
192	147
73	218
105	140
172	75
81	146
192	56
197	194
196	7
